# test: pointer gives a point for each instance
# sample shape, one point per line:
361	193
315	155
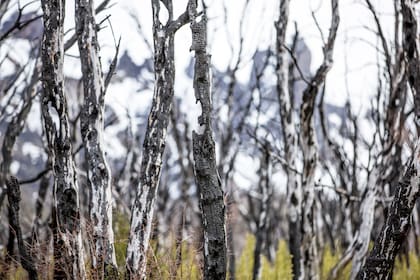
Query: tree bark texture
154	140
68	245
206	174
294	190
205	168
92	126
13	195
380	263
310	268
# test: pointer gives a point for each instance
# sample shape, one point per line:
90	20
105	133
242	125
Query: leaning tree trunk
207	177
294	190
154	140
68	245
103	258
380	263
310	267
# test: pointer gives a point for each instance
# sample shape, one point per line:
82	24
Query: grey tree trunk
154	141
92	126
68	245
310	268
206	174
380	263
294	190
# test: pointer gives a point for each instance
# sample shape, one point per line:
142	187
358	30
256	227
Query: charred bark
154	141
206	174
102	254
13	195
68	245
380	263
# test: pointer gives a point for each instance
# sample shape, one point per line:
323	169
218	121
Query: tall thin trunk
263	219
310	268
294	190
206	174
92	126
68	245
154	140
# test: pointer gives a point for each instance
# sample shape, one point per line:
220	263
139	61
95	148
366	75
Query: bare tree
206	174
92	126
290	139
266	191
309	148
155	138
68	245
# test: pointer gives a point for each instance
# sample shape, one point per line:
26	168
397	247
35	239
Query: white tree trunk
92	125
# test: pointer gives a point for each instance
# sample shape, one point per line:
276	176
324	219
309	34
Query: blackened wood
154	140
206	174
66	228
380	263
13	195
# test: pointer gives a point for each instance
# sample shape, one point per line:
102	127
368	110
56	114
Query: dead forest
137	142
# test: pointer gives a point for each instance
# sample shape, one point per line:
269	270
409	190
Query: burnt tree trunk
294	190
103	258
68	245
380	263
263	219
13	195
206	174
310	258
154	140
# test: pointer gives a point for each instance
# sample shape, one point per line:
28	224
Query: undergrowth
162	261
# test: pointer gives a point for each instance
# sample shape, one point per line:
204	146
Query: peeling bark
92	126
13	195
310	266
154	141
68	245
206	174
380	263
